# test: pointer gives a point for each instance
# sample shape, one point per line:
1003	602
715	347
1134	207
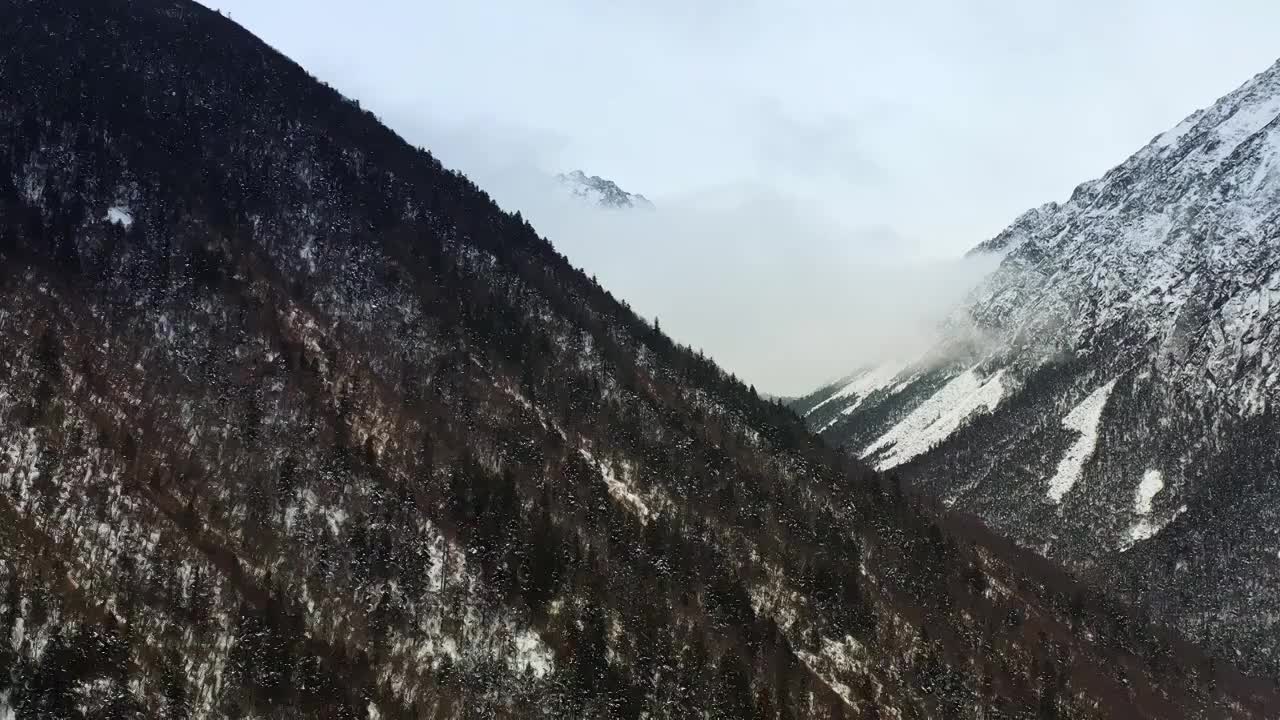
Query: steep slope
294	422
599	191
1106	395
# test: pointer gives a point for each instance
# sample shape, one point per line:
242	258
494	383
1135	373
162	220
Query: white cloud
775	290
804	154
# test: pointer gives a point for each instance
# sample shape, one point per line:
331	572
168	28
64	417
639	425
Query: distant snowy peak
600	191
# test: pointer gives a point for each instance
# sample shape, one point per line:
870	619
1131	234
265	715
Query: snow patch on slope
1247	120
815	663
533	654
119	215
1146	527
1152	483
622	491
1171	138
938	417
1084	419
619	487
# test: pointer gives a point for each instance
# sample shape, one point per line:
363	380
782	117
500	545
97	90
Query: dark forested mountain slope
294	422
1108	396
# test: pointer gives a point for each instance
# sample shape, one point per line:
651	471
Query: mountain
296	423
1108	395
600	191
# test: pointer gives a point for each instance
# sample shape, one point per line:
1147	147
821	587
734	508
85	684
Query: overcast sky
788	143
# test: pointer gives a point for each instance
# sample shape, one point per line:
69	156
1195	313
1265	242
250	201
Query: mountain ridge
1100	376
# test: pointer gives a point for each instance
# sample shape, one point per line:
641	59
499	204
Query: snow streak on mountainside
860	386
1084	419
1136	334
937	417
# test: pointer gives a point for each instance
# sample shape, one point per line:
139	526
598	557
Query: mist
816	166
774	289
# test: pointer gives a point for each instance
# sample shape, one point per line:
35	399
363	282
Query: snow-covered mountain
1108	395
297	423
599	191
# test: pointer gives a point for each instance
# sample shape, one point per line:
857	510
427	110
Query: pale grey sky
888	131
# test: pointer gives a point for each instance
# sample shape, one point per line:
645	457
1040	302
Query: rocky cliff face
294	422
1106	394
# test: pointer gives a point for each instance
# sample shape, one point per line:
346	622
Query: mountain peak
601	191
